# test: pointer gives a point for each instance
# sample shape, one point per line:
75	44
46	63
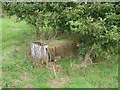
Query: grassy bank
17	71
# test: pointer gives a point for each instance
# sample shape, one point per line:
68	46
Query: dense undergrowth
97	24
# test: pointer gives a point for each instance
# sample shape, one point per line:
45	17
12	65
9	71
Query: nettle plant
98	24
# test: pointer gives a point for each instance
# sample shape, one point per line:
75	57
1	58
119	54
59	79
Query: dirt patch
25	75
59	82
29	86
16	81
10	51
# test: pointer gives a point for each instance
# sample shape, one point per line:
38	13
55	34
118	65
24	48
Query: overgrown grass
16	35
19	72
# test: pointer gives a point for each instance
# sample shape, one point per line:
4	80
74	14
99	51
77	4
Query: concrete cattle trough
52	50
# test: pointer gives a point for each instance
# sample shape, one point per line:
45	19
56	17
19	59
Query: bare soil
16	81
29	86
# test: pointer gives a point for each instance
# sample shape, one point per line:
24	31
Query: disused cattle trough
47	51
